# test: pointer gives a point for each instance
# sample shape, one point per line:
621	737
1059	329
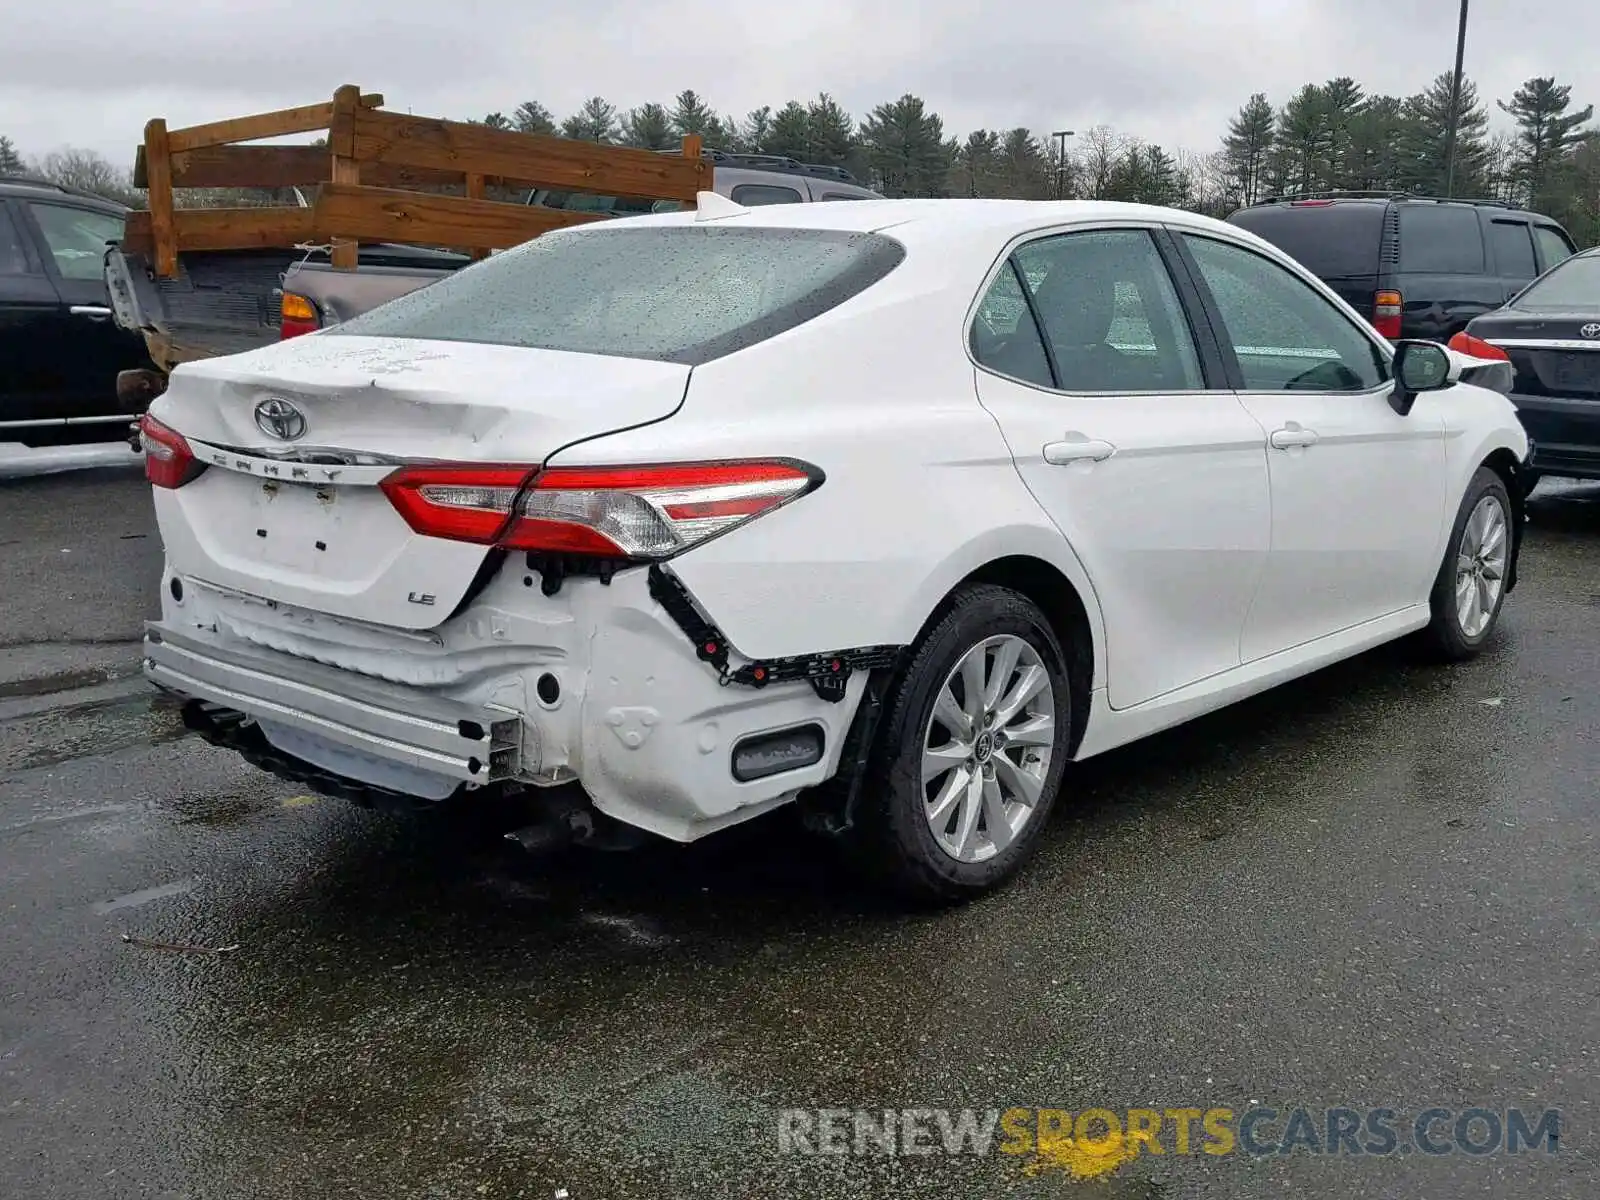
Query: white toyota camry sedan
891	508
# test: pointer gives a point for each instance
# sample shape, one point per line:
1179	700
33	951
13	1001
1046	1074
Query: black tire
893	841
1445	638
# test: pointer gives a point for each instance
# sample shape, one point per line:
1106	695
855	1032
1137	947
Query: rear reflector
767	754
168	460
648	512
1465	343
298	316
1386	307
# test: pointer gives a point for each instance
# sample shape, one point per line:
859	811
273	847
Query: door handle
1077	448
1291	436
95	312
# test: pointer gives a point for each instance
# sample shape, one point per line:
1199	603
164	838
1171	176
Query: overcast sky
1171	71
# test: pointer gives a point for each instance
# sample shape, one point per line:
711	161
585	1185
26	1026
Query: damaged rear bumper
415	735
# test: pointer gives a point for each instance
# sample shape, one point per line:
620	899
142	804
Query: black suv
61	349
1415	266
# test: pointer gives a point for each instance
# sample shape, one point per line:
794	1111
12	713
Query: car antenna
713	206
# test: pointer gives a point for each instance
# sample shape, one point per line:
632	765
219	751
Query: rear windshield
682	294
1331	240
1573	286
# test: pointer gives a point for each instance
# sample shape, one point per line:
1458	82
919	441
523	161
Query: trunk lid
298	436
1550	352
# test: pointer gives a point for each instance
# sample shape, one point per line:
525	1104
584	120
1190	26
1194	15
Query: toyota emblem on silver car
276	417
1592	329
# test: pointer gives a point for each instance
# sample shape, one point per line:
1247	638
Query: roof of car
945	218
27	185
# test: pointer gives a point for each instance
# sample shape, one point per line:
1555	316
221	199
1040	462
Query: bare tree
1103	148
88	172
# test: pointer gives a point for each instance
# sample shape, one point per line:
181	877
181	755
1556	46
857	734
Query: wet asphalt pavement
1376	888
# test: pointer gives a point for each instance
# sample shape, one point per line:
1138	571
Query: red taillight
298	315
168	461
629	512
1465	343
1386	314
1309	203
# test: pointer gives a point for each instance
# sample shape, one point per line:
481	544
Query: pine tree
832	133
1344	102
1023	166
10	161
1424	168
1372	158
1305	139
906	148
1546	135
1246	147
977	167
495	120
596	121
649	127
691	116
756	130
533	117
790	132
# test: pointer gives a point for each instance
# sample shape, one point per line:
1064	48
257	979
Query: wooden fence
367	178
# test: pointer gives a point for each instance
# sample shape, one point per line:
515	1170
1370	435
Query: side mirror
1420	367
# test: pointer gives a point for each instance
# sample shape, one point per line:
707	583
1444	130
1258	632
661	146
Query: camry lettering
250	466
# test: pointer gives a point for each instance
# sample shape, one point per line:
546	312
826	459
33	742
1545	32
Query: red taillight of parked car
168	461
1386	314
649	512
1477	347
297	315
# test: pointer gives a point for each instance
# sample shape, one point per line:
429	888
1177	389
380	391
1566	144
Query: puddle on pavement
60	735
181	887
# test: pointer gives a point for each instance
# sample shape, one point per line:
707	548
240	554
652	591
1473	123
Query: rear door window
1553	248
1513	249
1109	312
751	194
675	293
1440	239
1004	336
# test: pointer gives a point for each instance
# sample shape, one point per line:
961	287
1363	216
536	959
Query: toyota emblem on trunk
1592	329
276	417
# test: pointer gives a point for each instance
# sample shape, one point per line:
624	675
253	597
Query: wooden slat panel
560	163
226	229
346	170
158	170
384	215
305	119
250	166
280	166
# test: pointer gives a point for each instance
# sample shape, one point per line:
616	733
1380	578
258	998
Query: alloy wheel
987	748
1481	566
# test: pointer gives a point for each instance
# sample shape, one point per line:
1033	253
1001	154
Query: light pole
1061	136
1455	107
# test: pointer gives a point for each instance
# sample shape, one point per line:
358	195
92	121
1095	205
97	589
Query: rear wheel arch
1518	480
1057	597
